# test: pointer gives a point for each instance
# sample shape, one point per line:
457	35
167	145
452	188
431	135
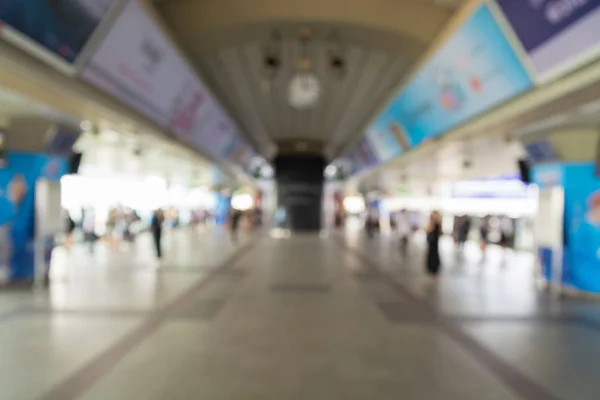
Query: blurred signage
215	133
61	142
582	227
137	64
474	71
60	27
492	188
366	153
386	138
548	175
557	35
540	151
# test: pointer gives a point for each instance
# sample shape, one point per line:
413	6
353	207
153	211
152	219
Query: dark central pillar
300	190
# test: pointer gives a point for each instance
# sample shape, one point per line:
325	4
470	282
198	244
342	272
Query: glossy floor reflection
303	317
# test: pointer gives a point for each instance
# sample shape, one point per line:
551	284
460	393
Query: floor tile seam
515	380
83	379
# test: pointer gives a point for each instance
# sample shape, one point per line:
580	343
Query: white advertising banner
138	64
214	132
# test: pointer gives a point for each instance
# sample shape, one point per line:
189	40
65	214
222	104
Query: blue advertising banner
387	138
474	71
17	207
548	176
555	33
63	27
582	216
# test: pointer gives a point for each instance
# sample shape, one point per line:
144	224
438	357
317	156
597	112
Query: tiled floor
306	317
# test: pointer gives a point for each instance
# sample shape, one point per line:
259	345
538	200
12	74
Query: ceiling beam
416	20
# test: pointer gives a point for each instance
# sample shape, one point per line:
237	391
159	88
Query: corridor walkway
306	317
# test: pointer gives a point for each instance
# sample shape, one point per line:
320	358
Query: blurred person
464	228
235	220
88	226
484	233
338	219
372	222
415	221
130	219
70	229
111	227
156	226
434	232
393	219
402	222
257	217
507	232
281	217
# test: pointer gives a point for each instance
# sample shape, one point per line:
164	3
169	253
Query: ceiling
13	104
378	40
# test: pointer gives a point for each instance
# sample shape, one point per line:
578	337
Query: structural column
300	190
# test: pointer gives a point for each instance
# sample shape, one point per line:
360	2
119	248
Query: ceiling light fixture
272	59
337	61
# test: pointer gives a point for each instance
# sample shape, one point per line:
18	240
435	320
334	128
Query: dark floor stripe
513	378
80	382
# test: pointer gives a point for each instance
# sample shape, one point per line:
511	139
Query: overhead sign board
387	137
137	64
474	71
557	35
61	28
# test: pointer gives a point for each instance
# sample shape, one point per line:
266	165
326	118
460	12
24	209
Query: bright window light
354	204
242	202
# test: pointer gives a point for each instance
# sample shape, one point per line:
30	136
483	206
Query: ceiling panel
261	105
379	41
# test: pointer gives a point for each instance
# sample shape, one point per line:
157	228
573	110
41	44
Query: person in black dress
156	227
434	231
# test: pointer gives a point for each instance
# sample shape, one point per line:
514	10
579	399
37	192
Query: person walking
463	232
404	230
156	226
484	231
88	226
70	229
236	217
434	232
372	222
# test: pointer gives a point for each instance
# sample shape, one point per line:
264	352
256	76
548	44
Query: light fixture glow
354	204
242	202
330	171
